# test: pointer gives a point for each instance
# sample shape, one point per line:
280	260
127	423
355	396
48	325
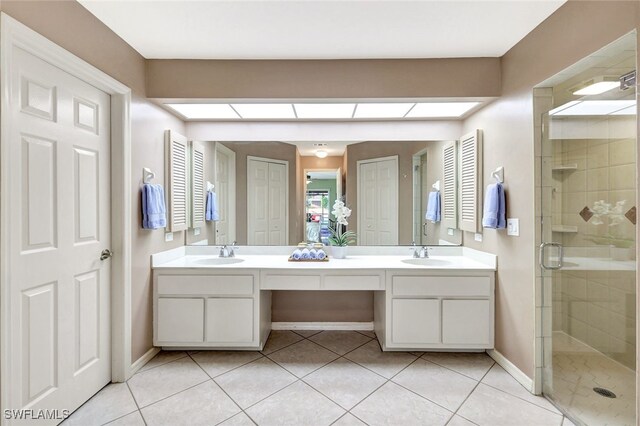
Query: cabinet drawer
291	282
180	320
415	321
441	286
229	320
353	282
467	322
221	285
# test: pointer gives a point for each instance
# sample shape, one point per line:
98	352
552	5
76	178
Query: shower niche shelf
565	229
564	167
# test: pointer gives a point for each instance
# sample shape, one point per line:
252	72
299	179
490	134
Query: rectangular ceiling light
265	111
556	110
632	110
391	110
597	88
205	111
441	109
328	111
584	108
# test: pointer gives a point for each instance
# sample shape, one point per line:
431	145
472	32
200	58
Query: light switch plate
478	237
168	236
513	227
196	231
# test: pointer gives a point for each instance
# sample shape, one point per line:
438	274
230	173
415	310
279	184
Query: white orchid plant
339	238
614	215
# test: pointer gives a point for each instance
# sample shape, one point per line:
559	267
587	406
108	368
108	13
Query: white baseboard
362	326
510	368
140	362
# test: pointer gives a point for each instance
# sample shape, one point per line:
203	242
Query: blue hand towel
321	254
154	212
306	254
494	207
297	254
433	207
212	207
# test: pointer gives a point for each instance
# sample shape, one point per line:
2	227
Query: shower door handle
542	253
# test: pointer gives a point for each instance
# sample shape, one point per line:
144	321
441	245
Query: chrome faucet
420	252
226	251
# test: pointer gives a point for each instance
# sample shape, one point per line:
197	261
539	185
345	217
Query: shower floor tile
577	369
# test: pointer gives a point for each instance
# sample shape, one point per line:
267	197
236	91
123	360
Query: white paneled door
59	291
267	202
225	191
378	201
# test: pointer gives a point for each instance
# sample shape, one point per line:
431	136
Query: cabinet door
415	321
180	320
466	322
230	320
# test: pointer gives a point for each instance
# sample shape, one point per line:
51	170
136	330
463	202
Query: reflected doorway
322	189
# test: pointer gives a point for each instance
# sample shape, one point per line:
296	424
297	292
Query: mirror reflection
276	193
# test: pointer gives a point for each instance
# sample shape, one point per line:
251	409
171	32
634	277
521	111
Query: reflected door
59	288
378	201
225	191
266	203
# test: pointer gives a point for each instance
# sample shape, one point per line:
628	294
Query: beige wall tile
598	179
623	177
622	151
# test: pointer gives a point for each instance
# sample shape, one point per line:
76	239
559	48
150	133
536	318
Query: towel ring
147	175
498	174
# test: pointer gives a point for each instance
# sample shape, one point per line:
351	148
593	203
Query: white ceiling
306	29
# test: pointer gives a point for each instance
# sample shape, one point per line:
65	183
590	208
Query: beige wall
321	306
274	151
404	151
71	26
573	32
384	78
148	123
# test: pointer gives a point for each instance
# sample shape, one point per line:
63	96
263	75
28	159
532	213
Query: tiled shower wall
596	304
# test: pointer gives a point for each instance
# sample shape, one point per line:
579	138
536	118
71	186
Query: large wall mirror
273	193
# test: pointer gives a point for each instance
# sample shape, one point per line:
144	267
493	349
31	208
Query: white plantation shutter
198	190
449	183
176	148
470	181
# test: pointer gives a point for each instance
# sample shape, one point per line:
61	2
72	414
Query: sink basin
427	262
218	261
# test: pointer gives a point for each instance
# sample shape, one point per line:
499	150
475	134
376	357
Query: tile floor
318	378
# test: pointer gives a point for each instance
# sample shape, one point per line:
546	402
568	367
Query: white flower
341	212
601	209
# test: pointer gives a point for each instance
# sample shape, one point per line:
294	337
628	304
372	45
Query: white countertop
199	260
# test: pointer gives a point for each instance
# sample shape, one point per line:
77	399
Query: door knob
106	254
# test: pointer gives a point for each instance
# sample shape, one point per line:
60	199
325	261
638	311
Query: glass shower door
588	262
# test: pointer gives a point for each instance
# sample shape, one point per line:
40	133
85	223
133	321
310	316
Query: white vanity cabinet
196	309
435	310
